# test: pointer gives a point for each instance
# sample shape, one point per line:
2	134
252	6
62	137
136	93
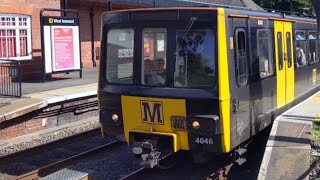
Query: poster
63	48
61	42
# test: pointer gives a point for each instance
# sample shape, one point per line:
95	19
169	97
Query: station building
20	36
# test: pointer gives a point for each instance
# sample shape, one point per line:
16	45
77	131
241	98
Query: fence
10	78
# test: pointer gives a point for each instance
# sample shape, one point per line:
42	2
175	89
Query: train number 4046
204	140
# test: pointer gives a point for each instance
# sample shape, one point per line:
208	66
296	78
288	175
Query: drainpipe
92	37
65	6
109	6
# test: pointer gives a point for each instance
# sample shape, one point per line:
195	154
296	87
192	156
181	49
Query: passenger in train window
155	72
147	70
301	57
159	69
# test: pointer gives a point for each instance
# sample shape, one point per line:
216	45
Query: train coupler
147	151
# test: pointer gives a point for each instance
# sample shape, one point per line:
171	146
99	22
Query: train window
154	56
120	56
241	57
313	46
289	51
301	48
280	50
264	53
195	56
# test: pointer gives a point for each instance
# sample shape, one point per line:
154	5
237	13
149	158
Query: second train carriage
201	79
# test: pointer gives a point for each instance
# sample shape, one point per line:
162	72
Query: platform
37	95
287	153
49	111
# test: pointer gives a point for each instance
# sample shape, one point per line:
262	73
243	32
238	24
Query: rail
139	173
49	169
10	78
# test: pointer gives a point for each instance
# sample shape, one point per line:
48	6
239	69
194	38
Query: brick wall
52	116
85	30
85	27
24	125
32	8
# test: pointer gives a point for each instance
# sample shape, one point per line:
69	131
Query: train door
240	98
284	62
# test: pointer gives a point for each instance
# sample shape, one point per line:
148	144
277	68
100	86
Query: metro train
201	79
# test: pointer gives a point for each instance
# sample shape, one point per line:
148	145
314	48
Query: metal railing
10	78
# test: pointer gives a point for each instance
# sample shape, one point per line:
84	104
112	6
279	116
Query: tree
301	7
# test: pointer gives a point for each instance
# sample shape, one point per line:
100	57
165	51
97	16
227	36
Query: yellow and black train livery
203	79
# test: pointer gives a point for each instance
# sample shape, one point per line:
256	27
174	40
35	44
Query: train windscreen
178	53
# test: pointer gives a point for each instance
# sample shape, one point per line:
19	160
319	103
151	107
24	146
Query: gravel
112	164
42	156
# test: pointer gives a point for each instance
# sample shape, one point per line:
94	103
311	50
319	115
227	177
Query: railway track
49	145
136	174
220	172
49	169
28	160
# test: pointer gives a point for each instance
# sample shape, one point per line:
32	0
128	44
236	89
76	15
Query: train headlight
196	125
115	117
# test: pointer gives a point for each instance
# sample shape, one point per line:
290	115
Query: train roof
245	4
244	7
231	11
269	14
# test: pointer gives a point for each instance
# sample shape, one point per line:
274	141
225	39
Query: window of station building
241	57
120	56
266	67
313	47
301	48
154	58
15	36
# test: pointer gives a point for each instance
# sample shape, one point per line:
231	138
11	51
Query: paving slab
18	107
58	95
287	153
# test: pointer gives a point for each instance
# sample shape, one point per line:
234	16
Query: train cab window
301	48
264	53
241	57
313	47
280	50
120	56
195	58
154	57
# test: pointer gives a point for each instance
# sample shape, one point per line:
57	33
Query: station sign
61	43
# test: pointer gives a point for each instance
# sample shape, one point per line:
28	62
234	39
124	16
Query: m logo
50	20
152	112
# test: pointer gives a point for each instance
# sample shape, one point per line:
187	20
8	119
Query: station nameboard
61	43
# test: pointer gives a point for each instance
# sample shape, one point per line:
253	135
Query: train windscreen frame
196	30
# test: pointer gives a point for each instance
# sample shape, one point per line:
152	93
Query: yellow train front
200	79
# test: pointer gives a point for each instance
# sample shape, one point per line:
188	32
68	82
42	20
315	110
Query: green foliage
302	7
315	136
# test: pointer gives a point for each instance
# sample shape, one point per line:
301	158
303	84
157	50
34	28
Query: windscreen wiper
186	31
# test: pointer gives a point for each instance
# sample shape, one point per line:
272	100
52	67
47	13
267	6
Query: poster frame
43	23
